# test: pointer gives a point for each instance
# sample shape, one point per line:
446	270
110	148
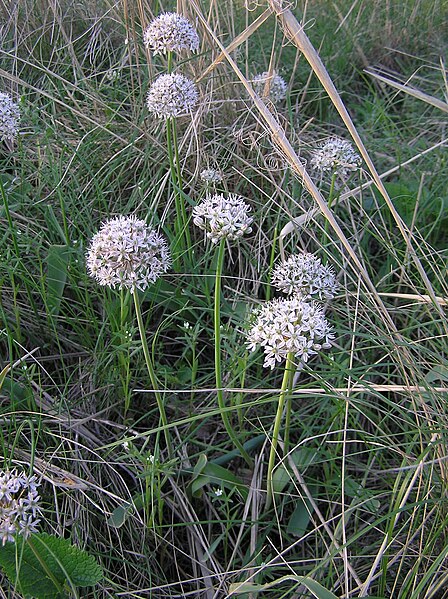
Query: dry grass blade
240	39
408	89
280	139
296	33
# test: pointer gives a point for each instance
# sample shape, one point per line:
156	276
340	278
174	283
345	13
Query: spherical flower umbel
284	326
127	253
9	118
211	175
170	32
19	505
172	95
277	86
335	155
304	275
223	217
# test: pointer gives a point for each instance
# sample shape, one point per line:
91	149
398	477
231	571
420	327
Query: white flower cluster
277	86
335	154
305	276
19	505
284	326
128	253
223	217
172	96
210	175
9	118
170	32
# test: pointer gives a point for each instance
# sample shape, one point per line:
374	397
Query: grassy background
364	486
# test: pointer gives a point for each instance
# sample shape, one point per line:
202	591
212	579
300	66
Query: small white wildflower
112	75
187	326
170	32
284	326
223	217
125	445
127	253
9	118
304	275
172	96
151	459
218	492
19	505
211	175
274	83
335	155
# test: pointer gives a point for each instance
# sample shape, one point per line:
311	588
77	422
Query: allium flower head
19	505
276	84
304	275
127	253
335	154
284	326
172	96
223	217
170	32
211	175
9	118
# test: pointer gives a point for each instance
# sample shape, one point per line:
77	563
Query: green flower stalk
128	254
223	219
287	329
171	96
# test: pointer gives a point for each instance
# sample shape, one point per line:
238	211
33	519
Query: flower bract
210	175
127	253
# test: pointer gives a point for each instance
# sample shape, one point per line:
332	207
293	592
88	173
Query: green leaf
57	264
48	566
207	473
300	518
314	587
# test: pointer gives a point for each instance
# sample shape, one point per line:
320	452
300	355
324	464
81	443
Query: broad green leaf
48	566
314	587
300	518
57	263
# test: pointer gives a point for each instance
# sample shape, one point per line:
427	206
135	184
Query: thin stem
152	374
183	213
287	376
218	374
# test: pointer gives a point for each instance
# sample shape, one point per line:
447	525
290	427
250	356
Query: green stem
330	201
286	383
152	374
218	373
183	213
